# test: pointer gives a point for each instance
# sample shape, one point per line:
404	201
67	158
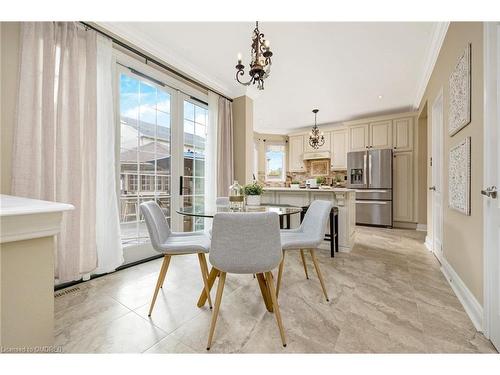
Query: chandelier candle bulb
239	58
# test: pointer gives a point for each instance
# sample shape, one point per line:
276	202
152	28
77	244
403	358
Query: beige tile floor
386	296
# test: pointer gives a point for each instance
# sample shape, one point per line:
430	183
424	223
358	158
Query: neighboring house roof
147	129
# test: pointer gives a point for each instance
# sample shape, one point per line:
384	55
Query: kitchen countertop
331	190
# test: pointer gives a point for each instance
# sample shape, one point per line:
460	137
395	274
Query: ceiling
347	70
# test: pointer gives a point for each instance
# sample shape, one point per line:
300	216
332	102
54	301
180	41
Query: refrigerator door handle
364	169
370	170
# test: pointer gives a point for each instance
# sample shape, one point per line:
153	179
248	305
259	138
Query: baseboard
404	225
422	227
428	243
466	298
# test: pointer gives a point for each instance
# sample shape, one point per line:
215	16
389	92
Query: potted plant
321	180
295	184
338	180
253	192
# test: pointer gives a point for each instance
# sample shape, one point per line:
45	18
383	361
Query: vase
253	200
236	197
295	186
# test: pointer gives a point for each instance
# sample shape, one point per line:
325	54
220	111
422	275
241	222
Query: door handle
364	169
490	192
432	188
370	170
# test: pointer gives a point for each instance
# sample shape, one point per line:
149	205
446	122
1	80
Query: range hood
316	155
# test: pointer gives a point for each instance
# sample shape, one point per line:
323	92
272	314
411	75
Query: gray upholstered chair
246	243
309	236
171	243
222	201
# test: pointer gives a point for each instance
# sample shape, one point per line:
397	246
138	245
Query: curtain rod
156	62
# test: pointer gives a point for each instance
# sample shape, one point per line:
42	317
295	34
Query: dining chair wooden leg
318	271
276	308
159	283
280	274
215	312
204	275
211	279
304	262
165	272
264	290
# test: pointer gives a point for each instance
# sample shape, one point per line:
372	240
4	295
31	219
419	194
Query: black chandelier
316	139
260	65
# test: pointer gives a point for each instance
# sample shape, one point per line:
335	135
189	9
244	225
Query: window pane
163	101
188	111
145	154
275	162
195	138
201	115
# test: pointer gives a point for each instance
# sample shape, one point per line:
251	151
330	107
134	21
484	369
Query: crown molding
170	57
438	34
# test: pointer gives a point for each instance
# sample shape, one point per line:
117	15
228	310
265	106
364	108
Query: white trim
428	243
471	306
438	34
422	227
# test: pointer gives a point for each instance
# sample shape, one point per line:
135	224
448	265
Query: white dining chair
309	235
171	243
246	243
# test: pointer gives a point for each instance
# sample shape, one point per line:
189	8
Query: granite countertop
330	190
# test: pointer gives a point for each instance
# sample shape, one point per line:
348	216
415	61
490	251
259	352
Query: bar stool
333	236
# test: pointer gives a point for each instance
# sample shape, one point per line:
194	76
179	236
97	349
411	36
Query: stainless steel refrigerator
370	174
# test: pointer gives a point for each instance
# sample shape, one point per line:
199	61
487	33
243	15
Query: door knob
433	188
490	192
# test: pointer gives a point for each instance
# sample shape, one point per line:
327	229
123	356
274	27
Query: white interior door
491	184
437	178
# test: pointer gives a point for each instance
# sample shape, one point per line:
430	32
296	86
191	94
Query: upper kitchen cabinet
381	134
296	153
339	143
325	147
358	137
402	131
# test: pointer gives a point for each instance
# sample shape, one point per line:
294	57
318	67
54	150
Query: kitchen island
344	199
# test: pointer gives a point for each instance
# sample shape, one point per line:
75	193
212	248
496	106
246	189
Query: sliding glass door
163	137
145	153
195	115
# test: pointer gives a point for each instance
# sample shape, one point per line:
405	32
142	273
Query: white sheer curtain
54	151
64	141
109	248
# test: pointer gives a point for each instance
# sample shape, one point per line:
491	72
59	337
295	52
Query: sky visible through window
274	164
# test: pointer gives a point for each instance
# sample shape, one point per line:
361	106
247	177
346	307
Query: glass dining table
284	211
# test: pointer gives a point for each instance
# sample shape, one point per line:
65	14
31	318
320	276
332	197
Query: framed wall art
459	177
460	93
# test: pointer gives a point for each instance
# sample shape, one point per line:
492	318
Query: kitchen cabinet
402	131
295	153
339	144
324	147
381	134
403	186
358	137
